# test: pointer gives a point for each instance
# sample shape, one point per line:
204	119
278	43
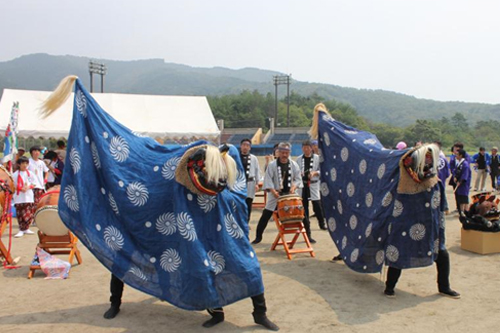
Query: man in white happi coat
282	177
252	172
309	170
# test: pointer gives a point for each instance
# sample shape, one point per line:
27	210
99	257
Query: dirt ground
304	294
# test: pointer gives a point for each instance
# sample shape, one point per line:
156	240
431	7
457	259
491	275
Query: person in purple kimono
443	172
462	178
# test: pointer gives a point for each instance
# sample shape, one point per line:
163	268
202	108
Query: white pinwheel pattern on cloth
119	149
232	227
216	261
166	224
170	260
81	103
206	202
168	169
185	226
75	160
137	193
71	198
113	238
95	155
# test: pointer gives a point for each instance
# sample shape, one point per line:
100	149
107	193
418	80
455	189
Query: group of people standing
460	168
284	176
32	177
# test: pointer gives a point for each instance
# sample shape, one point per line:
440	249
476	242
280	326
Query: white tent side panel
170	117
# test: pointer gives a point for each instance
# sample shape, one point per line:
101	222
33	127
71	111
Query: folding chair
54	237
260	194
295	228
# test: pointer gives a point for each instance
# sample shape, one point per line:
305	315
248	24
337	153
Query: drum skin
50	198
290	208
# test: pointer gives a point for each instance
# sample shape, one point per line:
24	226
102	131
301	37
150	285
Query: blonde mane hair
58	97
219	166
420	153
320	107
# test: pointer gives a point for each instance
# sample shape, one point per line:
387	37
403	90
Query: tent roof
174	118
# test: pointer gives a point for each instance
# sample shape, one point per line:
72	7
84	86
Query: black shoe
217	317
312	241
323	227
390	293
262	319
257	240
450	293
337	258
112	312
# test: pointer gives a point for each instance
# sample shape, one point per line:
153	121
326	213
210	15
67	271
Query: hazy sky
436	49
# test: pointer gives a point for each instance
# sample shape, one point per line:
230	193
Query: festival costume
442	260
23	201
152	232
375	210
310	189
252	176
462	175
280	177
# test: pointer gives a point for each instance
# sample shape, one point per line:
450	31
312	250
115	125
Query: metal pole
288	101
91	82
276	101
102	83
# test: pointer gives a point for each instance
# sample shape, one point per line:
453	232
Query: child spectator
56	167
23	196
39	171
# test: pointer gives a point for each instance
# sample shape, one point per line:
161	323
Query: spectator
482	161
462	179
39	171
56	167
23	196
401	145
61	150
494	168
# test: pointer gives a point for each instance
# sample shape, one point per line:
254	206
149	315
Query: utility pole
278	80
99	69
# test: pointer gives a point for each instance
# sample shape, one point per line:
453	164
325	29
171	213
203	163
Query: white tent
170	118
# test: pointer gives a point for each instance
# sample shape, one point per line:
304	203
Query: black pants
318	211
116	288
259	305
263	221
443	273
493	180
317	208
249	202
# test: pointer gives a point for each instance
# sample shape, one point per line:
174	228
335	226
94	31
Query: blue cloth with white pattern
120	197
369	221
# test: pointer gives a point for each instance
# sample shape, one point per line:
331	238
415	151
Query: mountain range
157	77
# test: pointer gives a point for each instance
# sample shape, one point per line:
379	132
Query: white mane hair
219	166
320	107
419	155
58	97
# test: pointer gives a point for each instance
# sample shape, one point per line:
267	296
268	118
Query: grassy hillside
43	72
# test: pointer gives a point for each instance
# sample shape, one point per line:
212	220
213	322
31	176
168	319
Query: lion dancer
173	226
442	261
383	206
